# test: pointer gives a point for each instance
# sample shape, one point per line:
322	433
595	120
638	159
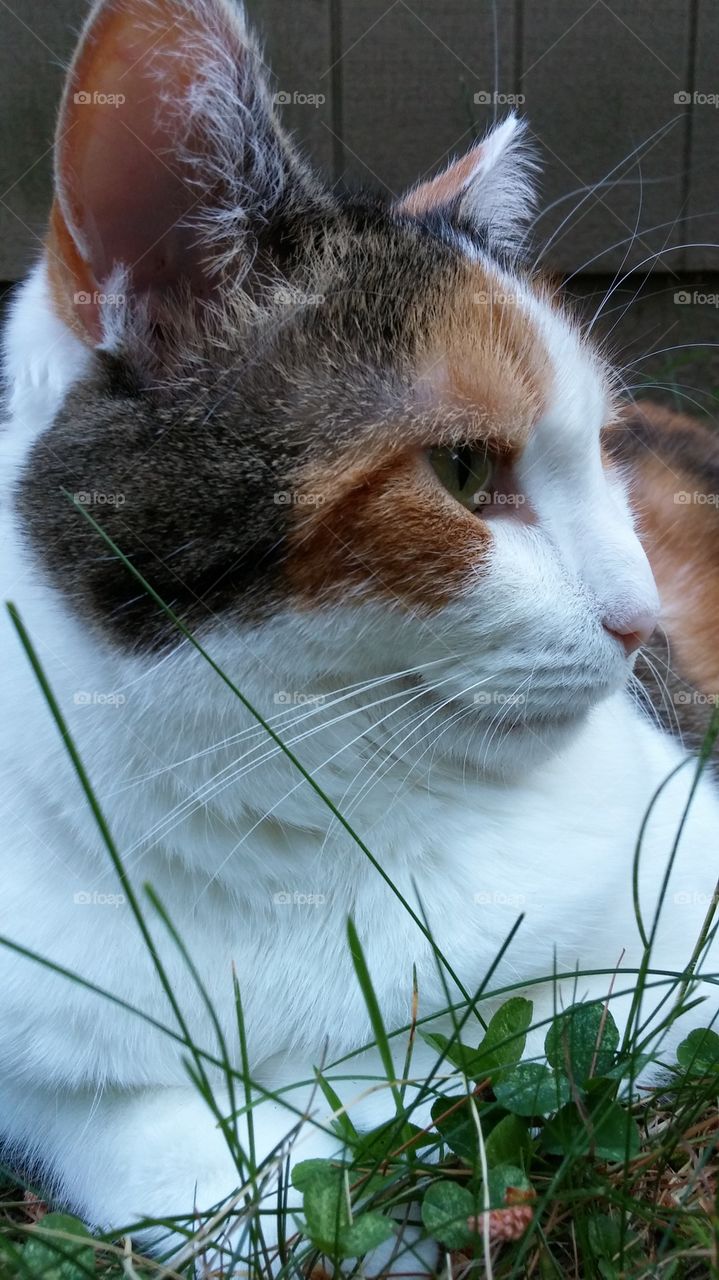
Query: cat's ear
491	188
169	160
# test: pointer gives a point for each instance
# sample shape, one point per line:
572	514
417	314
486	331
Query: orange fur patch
443	189
376	520
68	275
487	359
678	521
389	532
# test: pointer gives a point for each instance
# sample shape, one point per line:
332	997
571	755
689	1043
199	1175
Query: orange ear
134	160
491	187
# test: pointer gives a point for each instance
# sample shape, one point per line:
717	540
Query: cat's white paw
407	1254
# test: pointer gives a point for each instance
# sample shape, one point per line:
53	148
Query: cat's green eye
466	471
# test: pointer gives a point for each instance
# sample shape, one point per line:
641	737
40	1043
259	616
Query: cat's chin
523	744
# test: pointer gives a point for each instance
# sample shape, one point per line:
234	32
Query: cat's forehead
419	331
452	343
486	359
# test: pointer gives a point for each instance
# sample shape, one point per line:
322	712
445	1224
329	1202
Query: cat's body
456	686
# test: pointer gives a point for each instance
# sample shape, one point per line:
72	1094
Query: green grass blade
373	1010
319	791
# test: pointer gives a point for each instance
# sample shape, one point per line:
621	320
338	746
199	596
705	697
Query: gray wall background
619	94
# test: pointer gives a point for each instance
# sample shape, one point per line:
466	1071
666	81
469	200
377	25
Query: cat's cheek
403	542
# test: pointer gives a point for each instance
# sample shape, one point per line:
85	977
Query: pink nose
634	633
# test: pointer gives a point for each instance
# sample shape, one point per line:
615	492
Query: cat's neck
273	821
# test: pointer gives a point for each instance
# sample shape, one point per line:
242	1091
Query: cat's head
354	435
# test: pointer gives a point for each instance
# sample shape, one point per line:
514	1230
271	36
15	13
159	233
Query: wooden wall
385	90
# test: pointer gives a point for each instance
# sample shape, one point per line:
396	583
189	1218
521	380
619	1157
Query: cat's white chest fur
268	897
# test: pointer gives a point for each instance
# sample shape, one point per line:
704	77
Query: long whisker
384	766
680	389
256	731
641	147
637	291
667	701
296	787
435	734
504	711
239	768
392	758
233	771
282	720
652	257
662	351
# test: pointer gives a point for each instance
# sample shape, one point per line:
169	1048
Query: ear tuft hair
501	194
491	188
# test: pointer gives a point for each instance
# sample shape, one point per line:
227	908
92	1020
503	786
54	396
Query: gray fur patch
187	456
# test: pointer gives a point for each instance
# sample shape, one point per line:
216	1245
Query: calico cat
360	450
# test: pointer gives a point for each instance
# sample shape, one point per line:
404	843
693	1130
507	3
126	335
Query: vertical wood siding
384	91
